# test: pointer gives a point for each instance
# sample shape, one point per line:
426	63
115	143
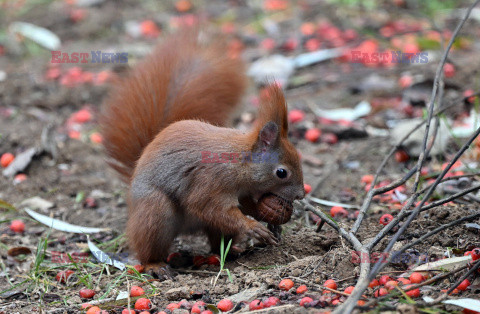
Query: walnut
274	210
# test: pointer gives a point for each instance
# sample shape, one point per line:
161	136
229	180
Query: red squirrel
158	121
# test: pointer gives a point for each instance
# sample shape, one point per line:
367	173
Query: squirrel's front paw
159	270
255	230
261	233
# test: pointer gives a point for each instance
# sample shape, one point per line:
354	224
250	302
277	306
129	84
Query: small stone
177	293
296	272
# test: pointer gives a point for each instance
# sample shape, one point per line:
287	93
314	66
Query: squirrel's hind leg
151	228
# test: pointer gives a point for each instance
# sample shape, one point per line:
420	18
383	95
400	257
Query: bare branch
363	282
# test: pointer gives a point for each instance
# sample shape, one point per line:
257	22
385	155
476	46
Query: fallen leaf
103	257
61	225
470	304
40	35
15	251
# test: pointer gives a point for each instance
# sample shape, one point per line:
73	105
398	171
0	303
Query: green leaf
6	205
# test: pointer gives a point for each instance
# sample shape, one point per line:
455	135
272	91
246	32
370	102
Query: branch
362	283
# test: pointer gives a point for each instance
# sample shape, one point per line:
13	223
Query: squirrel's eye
281	173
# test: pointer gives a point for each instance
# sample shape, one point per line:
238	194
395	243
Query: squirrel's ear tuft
268	135
273	107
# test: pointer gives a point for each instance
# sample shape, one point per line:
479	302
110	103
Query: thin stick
437	230
416	286
363	282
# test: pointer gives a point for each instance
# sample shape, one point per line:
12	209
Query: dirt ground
84	191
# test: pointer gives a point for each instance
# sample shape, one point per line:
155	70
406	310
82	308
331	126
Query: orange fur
181	79
159	119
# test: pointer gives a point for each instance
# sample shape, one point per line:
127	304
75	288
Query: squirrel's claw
160	271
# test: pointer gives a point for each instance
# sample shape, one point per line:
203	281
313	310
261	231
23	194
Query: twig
403	213
459	281
363	281
437	230
416	286
347	236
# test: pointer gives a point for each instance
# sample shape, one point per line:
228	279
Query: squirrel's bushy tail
182	79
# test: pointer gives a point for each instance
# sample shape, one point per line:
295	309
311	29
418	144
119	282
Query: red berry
6	159
290	44
87	293
475	254
86	305
390	285
469	95
198	307
305	300
213	260
330	138
302	289
94	310
404	281
184	304
207	312
225	305
173	256
405	81
271	301
307	187
308	28
381	292
62	276
81	116
256	305
374	283
463	285
401	156
285	284
143	304
312	44
386	219
138	267
19	178
330	283
90	202
96	138
149	29
338	211
367	179
449	70
384	279
127	311
313	135
350	34
17	226
348	290
416	277
268	44
136	291
173	306
415	293
199	260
